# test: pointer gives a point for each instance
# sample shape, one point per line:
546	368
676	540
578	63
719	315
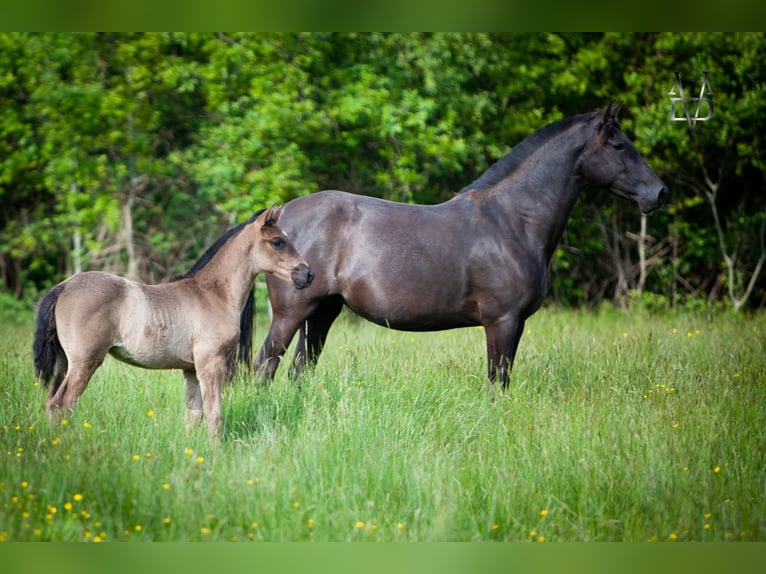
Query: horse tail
245	343
46	345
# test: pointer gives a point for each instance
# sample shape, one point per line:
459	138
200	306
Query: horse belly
407	307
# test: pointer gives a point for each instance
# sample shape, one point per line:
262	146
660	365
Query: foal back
143	325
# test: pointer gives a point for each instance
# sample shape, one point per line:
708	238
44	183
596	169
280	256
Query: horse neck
230	274
539	194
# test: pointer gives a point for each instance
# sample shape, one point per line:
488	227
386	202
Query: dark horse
480	258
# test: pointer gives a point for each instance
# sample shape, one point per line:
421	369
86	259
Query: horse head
275	253
611	160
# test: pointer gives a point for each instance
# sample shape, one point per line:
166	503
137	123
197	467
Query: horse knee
266	369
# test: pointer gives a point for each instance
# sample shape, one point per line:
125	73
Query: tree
723	154
133	152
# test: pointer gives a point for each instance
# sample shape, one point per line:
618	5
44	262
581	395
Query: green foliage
132	152
13	310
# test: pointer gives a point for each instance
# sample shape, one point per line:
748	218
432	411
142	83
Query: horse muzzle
302	276
662	197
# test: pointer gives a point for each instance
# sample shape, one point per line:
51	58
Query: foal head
610	160
274	253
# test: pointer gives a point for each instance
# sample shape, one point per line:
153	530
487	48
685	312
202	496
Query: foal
191	323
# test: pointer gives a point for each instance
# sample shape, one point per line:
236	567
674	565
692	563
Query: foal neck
230	274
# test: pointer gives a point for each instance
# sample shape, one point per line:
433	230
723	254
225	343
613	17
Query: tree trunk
641	256
126	213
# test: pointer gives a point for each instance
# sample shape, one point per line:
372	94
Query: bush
13	310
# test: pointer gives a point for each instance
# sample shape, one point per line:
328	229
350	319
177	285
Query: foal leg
193	399
503	338
63	397
210	372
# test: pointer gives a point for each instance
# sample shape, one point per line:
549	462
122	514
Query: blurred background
132	152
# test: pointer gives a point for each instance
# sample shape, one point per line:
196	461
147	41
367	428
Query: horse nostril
663	196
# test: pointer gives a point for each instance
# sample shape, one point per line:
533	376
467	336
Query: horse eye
277	242
618	145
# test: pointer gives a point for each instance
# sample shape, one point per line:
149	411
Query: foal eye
618	145
277	242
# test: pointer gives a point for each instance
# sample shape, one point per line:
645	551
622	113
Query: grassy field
617	426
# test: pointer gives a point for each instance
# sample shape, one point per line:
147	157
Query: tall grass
616	426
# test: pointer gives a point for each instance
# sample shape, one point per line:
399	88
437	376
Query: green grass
616	426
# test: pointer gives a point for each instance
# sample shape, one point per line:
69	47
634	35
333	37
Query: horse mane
521	152
216	247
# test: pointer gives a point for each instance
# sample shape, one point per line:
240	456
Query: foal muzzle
302	276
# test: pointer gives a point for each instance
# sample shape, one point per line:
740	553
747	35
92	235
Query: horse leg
275	345
503	338
193	399
314	335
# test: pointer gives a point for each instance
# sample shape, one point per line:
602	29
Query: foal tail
46	346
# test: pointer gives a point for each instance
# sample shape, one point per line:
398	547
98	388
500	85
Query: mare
191	323
480	258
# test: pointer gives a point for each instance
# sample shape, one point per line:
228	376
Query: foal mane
216	247
521	152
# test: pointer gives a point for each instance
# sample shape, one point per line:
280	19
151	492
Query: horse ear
616	113
612	112
272	215
609	115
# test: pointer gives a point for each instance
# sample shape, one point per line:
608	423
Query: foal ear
272	215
